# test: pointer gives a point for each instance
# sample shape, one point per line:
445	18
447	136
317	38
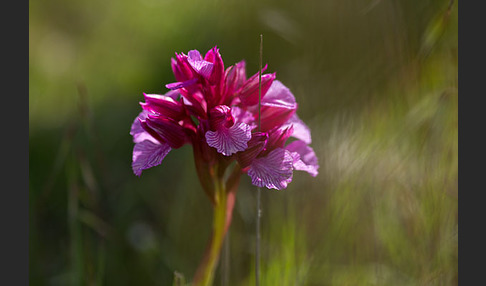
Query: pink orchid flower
216	110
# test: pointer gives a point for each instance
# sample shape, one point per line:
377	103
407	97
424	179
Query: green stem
224	196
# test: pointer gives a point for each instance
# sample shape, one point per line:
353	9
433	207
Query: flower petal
273	171
147	154
228	141
194	103
139	134
306	159
301	130
278	136
170	131
241	73
249	92
279	96
163	105
278	105
256	145
202	67
213	56
241	115
181	68
177	85
221	116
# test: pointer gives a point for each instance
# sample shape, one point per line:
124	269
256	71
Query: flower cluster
217	110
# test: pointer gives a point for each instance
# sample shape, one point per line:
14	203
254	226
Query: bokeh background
375	80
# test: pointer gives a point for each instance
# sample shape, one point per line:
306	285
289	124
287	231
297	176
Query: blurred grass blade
179	279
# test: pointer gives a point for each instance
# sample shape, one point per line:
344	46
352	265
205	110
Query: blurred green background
376	81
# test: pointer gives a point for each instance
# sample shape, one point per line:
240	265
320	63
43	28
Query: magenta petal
306	159
241	115
181	68
136	126
229	85
174	94
163	105
256	145
301	130
241	73
202	67
195	104
177	85
220	116
273	171
278	106
213	56
167	129
147	154
228	141
279	96
249	92
278	136
139	134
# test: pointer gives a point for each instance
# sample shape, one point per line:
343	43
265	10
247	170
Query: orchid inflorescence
235	124
217	111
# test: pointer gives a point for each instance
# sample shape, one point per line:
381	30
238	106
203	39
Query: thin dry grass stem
259	208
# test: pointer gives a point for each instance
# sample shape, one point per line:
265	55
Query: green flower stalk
224	201
222	194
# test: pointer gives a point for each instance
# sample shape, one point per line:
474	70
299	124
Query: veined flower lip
226	135
148	151
147	154
273	171
228	141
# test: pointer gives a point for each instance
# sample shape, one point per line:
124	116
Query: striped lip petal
202	67
147	154
273	171
228	141
305	158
